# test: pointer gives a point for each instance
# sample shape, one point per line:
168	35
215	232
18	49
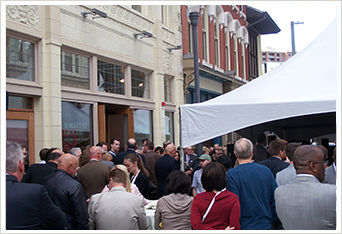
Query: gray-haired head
243	148
14	154
74	151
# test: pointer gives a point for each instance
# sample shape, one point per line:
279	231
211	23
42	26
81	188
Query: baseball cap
205	157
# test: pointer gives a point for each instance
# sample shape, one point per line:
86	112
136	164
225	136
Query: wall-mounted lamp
143	34
95	12
176	48
141	84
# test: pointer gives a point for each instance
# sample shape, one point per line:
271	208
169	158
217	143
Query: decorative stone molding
188	78
27	14
168	35
242	15
167	61
235	8
216	68
128	16
205	63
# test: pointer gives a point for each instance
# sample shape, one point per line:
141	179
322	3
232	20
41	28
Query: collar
277	158
307	175
93	159
118	189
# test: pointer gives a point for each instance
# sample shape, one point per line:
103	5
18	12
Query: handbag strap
211	204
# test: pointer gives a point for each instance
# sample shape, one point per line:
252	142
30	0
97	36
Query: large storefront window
77	128
111	78
169	131
142	125
20	59
140	84
75	70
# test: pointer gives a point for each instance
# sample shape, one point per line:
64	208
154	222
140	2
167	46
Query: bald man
306	203
67	193
131	146
164	166
94	175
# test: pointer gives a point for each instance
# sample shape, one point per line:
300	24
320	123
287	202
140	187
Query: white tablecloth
150	218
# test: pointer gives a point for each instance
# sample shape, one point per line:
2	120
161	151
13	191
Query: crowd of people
242	186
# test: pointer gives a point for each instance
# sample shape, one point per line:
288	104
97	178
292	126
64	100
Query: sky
316	15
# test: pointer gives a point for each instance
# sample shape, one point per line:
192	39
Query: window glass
142	125
169	131
167	90
111	78
137	7
17	131
140	84
19	102
75	70
76	125
20	59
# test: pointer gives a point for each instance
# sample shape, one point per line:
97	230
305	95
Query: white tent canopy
306	84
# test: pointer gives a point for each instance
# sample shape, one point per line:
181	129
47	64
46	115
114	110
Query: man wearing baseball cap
196	182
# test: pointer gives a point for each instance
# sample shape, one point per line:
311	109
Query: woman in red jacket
216	208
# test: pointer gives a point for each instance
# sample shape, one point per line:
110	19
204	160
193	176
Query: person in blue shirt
254	184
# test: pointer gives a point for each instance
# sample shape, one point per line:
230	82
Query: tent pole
181	158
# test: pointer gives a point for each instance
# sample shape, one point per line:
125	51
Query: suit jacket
193	162
110	163
69	195
93	176
29	206
151	158
286	176
120	156
274	164
164	166
37	172
128	214
306	204
143	184
330	175
261	154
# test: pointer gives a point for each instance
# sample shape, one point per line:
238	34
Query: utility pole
293	36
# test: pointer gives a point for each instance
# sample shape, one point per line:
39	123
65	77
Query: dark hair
261	138
150	145
324	150
290	149
118	176
113	139
144	139
160	149
136	158
42	153
101	143
277	145
84	157
178	182
48	153
54	156
131	145
213	177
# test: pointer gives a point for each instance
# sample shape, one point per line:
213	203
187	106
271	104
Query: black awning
261	21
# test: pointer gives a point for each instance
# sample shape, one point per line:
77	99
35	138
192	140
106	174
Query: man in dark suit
192	164
94	175
37	172
261	152
67	193
114	148
151	158
164	166
28	206
277	151
131	146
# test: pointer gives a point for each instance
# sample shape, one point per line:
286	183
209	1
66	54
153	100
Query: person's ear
313	167
21	166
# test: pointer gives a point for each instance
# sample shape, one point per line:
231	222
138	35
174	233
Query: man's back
107	214
164	166
93	176
151	158
69	195
29	206
275	164
37	172
261	154
306	204
254	184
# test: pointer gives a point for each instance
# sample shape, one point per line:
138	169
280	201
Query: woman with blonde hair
138	173
131	188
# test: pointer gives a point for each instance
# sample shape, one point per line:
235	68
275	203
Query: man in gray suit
288	174
306	203
330	172
107	214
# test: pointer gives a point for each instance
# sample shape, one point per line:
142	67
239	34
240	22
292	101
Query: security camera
98	12
147	34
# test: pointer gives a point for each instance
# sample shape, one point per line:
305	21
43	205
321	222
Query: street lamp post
194	15
293	37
